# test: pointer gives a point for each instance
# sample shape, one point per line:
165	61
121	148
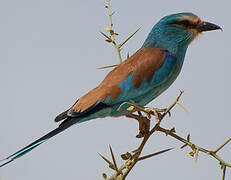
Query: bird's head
177	31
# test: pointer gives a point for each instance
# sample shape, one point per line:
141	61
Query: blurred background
49	54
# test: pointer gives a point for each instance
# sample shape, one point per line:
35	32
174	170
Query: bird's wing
121	83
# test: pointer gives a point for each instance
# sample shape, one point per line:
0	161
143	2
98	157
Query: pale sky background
49	54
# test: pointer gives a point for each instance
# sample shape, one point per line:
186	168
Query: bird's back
139	74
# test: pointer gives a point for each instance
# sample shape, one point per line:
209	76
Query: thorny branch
110	38
135	156
131	158
196	148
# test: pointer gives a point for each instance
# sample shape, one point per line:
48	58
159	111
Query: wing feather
142	66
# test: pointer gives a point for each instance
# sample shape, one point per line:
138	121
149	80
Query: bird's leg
144	124
160	110
158	113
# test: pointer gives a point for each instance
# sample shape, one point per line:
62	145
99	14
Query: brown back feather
142	64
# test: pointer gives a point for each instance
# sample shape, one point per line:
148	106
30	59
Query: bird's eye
185	23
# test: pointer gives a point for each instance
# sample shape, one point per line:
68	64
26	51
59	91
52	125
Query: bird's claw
144	121
158	113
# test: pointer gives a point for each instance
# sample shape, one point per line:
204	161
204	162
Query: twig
133	159
194	147
112	36
219	148
146	137
175	102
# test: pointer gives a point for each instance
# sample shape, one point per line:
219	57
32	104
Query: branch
131	160
147	136
219	148
195	147
110	38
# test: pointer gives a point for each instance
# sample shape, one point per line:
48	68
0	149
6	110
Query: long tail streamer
62	127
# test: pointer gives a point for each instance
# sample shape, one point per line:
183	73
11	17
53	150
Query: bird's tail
62	127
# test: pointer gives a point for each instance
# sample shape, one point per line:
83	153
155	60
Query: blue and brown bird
140	78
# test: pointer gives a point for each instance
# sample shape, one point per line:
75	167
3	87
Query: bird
140	78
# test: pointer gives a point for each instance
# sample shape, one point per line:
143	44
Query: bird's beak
207	26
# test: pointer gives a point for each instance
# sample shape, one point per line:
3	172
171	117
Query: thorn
184	108
183	146
108	40
170	131
127	55
169	114
154	154
173	130
219	148
129	37
135	151
105	159
108	66
188	137
113	158
196	155
106	36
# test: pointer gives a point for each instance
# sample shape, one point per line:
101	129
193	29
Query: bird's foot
158	113
144	121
